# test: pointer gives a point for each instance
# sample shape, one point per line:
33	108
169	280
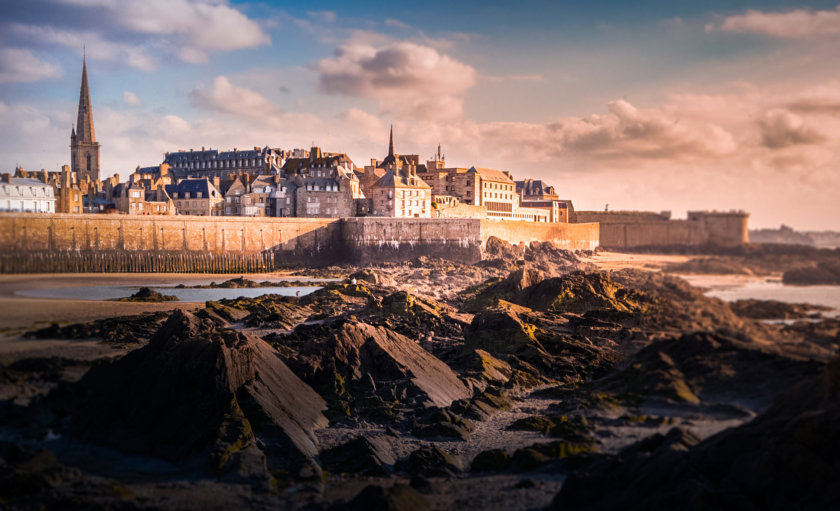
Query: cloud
323	16
189	29
97	48
407	79
228	98
18	65
799	23
781	128
131	99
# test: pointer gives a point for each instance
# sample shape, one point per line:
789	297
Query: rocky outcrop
355	365
705	367
786	458
823	273
774	309
119	330
200	390
145	294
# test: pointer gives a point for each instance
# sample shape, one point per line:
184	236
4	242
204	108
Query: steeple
85	119
391	143
84	149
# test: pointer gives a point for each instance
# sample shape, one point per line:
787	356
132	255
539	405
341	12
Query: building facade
26	195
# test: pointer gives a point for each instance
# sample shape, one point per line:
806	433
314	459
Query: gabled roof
395	179
193	186
491	174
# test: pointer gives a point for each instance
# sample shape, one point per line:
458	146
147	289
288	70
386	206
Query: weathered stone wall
569	236
642	229
295	239
373	239
64	242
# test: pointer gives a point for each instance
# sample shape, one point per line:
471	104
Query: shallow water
183	295
731	288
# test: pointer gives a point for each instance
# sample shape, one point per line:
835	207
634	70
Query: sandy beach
19	314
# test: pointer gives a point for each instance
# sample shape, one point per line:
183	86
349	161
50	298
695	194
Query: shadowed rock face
199	389
784	459
348	360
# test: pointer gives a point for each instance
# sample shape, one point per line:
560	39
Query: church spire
391	144
84	123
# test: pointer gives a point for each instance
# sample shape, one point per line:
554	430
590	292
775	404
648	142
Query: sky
652	105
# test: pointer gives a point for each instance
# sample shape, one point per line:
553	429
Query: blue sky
644	105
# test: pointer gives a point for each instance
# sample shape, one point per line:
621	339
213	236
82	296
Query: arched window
88	161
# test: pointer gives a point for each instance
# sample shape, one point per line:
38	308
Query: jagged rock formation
199	390
350	363
784	459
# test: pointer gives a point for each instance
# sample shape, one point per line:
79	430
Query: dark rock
338	358
395	498
774	309
119	330
363	455
145	294
493	460
199	390
824	273
430	461
786	458
443	423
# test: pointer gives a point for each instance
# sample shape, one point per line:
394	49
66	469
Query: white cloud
97	48
193	27
18	65
407	79
799	23
226	97
131	99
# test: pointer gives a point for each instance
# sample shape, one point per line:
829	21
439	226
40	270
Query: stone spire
84	122
391	143
84	149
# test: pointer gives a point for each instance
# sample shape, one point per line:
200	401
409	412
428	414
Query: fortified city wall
67	242
640	229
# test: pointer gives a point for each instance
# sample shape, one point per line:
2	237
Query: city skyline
738	111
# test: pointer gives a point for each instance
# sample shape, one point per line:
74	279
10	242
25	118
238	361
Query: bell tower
84	149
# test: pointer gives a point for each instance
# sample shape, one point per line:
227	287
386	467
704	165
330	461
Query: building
214	163
535	190
84	149
559	211
69	196
198	196
320	185
377	169
26	195
401	193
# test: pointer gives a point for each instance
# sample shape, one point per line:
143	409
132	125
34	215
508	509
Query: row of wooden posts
137	262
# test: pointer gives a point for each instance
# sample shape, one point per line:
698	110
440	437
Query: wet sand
19	314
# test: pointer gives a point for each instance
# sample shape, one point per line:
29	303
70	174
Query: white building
25	195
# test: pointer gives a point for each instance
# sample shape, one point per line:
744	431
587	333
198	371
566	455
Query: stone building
133	198
69	197
377	169
84	149
25	195
198	196
320	185
214	163
401	193
535	190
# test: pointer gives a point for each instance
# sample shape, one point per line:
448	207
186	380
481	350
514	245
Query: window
88	160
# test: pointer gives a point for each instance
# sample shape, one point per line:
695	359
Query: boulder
363	455
199	390
430	461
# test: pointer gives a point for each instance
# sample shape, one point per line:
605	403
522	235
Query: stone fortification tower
84	149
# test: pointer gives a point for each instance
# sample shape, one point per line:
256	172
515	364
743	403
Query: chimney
216	181
7	178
